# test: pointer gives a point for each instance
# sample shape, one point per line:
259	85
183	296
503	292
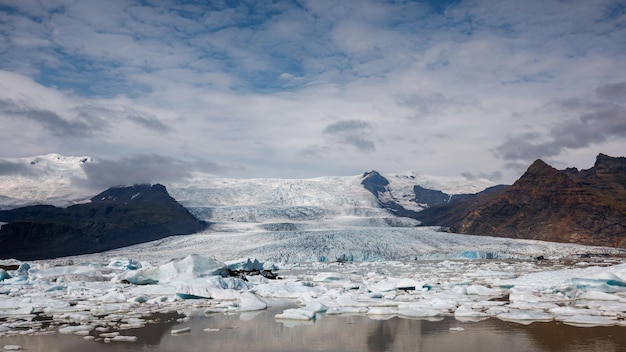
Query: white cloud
256	88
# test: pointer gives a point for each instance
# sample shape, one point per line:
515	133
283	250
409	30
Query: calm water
260	332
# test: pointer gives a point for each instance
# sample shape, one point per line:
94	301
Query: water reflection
381	337
260	332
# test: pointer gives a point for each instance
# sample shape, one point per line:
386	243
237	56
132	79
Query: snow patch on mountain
49	179
57	179
401	186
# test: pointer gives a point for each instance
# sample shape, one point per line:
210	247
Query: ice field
121	289
335	250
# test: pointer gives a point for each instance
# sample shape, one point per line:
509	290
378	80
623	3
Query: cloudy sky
293	89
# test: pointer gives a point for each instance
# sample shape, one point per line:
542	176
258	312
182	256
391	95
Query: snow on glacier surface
337	251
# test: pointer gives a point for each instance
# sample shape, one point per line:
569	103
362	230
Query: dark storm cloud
51	121
615	92
121	113
138	169
592	128
351	132
88	119
493	176
424	104
8	168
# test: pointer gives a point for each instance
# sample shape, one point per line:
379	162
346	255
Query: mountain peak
541	175
375	182
586	207
539	166
610	164
135	193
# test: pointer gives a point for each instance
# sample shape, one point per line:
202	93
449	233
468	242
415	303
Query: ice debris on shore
88	299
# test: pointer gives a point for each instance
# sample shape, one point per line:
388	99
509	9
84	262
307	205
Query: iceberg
296	314
588	321
191	267
525	317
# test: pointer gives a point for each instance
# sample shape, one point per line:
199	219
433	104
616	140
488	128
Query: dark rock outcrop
430	197
115	218
586	207
377	185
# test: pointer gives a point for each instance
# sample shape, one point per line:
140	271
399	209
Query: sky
157	90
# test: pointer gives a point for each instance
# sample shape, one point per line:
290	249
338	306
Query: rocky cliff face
586	207
378	186
116	218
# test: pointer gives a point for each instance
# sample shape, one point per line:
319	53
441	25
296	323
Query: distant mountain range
576	206
585	207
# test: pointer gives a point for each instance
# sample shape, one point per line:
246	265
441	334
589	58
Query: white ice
335	249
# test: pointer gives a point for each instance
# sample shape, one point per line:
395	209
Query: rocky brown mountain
576	206
117	217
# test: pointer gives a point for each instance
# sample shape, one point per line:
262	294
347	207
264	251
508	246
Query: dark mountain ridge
115	218
585	207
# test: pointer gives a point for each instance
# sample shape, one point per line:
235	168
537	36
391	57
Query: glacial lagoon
260	332
443	305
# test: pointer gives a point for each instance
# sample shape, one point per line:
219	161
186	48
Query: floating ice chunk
23	269
329	277
12	347
477	290
15	306
466	312
111	308
4	275
72	329
191	267
181	331
132	323
494	311
296	314
109	334
288	289
588	320
543	300
608	307
123	338
382	311
346	310
316	307
250	302
571	311
607	279
248	264
443	304
532	306
112	297
418	313
73	317
124	264
215	287
525	317
457	329
598	296
391	284
54	272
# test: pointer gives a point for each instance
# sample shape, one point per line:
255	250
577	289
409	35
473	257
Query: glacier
335	251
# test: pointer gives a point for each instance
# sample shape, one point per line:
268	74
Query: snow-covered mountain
51	179
58	180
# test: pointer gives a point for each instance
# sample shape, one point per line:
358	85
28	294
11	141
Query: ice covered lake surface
358	288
